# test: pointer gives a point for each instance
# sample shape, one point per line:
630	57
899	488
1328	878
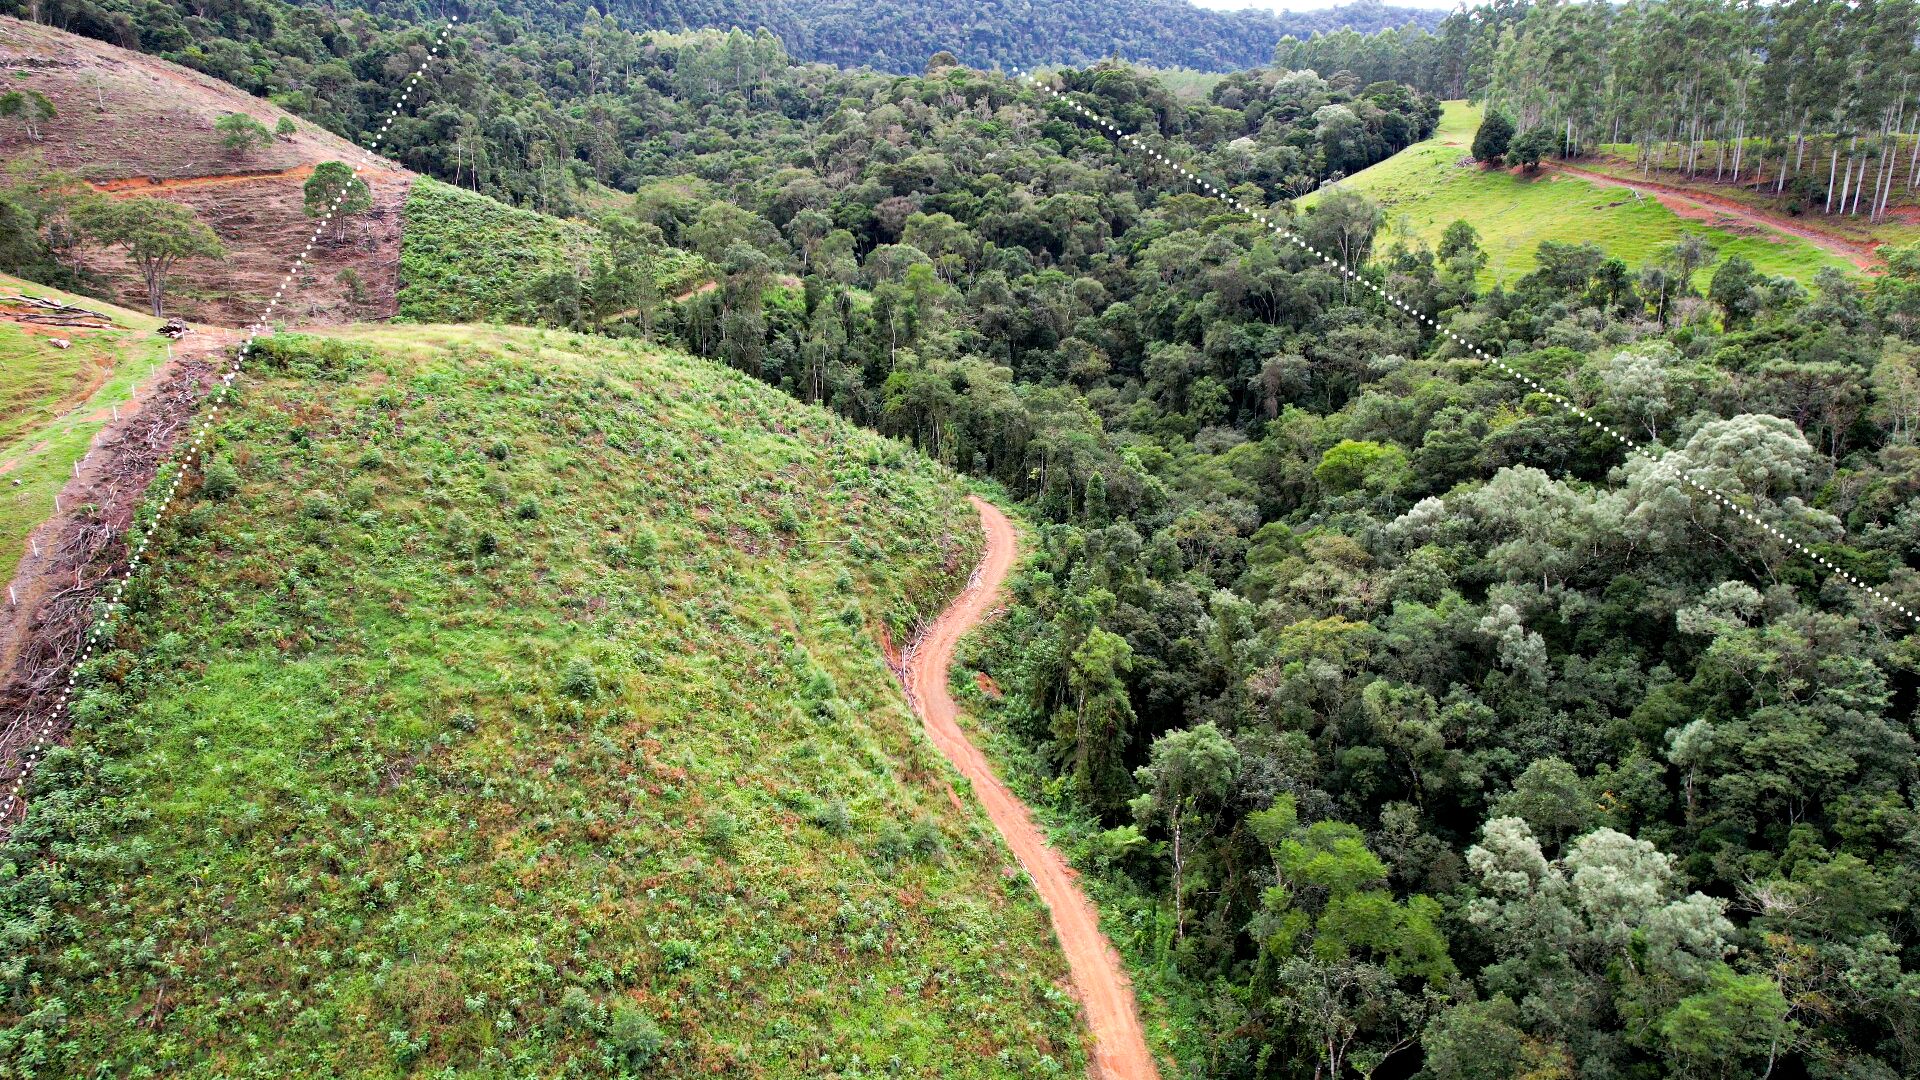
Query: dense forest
1408	722
898	36
1407	717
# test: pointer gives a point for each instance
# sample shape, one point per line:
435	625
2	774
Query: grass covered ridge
503	702
465	257
50	399
1426	187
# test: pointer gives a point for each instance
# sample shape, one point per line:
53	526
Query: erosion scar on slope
1106	995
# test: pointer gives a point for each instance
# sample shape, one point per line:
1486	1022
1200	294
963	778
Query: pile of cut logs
41	311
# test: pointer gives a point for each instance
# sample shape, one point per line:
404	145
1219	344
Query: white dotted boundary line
220	393
1633	448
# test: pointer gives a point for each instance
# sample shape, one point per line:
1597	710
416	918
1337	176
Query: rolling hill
128	124
1432	184
512	698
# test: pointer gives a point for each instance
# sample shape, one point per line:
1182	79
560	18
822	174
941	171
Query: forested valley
898	36
1404	721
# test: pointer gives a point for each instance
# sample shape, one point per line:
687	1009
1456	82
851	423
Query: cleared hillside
1432	184
131	124
509	702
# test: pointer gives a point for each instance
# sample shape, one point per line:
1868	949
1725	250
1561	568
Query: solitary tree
242	134
155	234
285	129
1490	142
1685	256
1530	147
30	107
334	190
1187	775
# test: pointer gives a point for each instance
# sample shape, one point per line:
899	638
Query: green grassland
1618	159
47	408
506	703
467	258
1429	185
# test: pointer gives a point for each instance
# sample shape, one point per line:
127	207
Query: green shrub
833	818
220	480
679	954
304	356
579	681
632	1035
643	545
319	506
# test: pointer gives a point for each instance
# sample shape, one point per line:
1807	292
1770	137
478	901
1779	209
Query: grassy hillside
1430	185
1901	227
507	704
53	401
466	257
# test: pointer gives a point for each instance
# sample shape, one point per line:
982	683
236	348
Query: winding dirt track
1106	994
1692	202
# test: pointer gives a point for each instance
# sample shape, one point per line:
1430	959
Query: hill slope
53	400
1430	185
900	35
517	709
131	124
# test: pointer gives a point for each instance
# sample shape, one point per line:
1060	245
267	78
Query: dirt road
1706	206
1106	995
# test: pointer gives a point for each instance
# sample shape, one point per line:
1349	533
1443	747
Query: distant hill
1016	34
900	35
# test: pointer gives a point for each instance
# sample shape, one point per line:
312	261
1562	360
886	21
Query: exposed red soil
263	223
149	185
1706	206
135	125
1101	983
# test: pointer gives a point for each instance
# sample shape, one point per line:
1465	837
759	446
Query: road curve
1106	994
1680	199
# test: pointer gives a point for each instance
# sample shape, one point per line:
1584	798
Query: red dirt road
1706	206
1106	994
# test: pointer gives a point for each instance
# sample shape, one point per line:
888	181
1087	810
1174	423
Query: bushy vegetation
467	258
1402	718
898	36
386	775
1366	668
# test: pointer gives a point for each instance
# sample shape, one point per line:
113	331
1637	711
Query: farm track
1101	983
1692	202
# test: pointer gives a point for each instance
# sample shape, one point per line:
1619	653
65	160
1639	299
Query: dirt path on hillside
148	185
1706	206
1106	994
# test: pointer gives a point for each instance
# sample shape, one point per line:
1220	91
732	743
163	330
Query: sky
1315	5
